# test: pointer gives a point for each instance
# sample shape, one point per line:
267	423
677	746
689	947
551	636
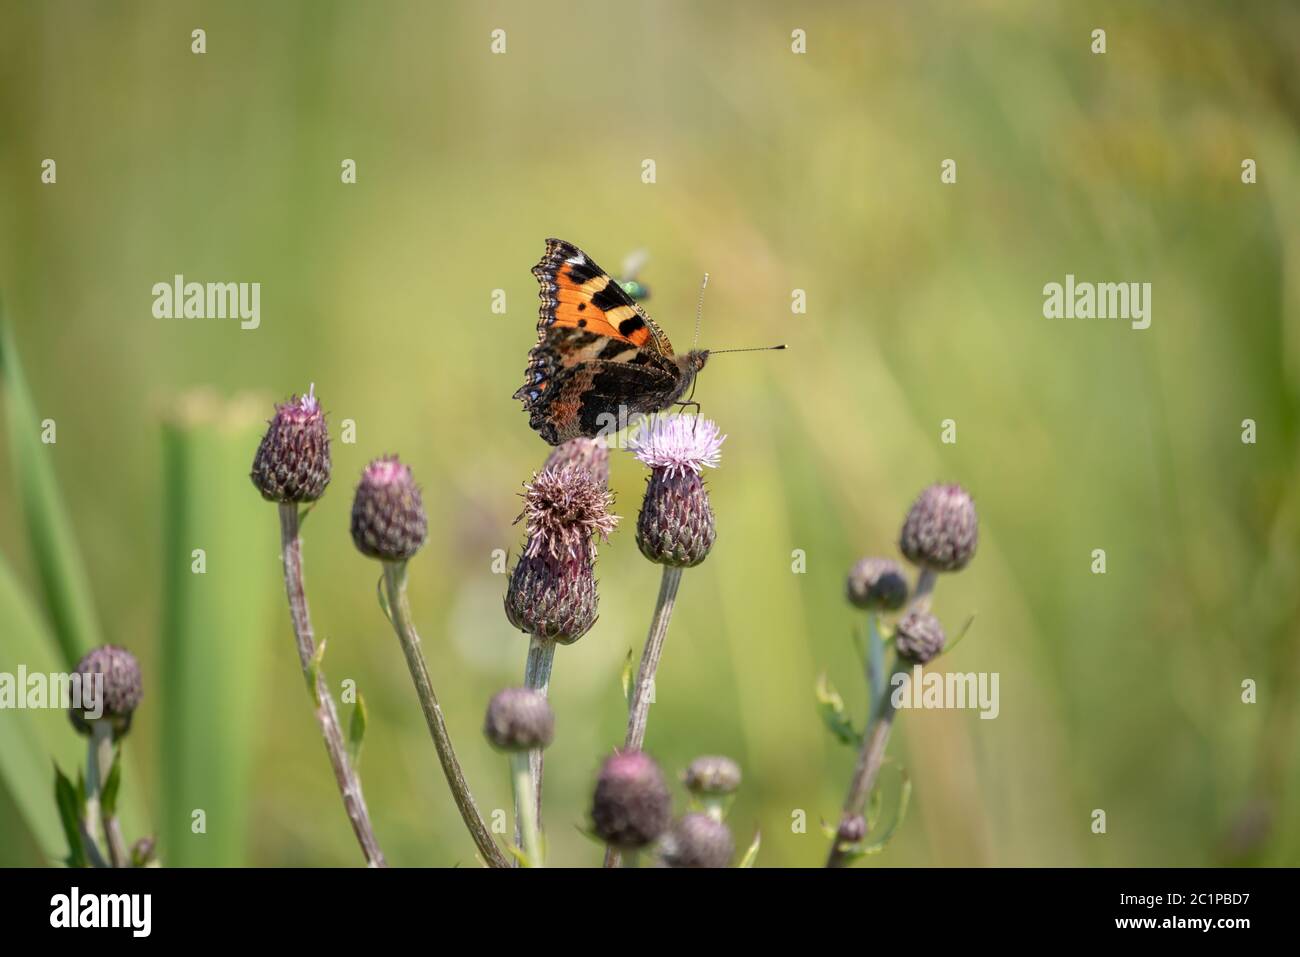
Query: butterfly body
599	359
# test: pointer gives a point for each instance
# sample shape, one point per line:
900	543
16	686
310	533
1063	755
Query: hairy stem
399	610
526	809
345	776
99	763
639	708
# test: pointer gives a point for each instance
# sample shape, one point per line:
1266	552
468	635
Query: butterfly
599	358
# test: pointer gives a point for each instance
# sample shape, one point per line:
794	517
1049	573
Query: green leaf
65	799
218	628
108	797
518	854
357	729
831	708
62	577
627	676
313	672
751	855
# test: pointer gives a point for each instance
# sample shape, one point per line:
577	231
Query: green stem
537	675
638	714
526	809
99	761
399	610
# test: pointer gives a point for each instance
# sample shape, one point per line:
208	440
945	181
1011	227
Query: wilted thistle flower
631	805
676	524
877	584
121	692
942	529
918	637
293	462
712	775
552	591
589	455
388	520
697	840
519	719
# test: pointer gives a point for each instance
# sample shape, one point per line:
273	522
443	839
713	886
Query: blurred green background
775	172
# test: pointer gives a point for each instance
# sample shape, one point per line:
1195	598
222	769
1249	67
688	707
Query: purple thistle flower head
388	520
292	463
678	444
563	509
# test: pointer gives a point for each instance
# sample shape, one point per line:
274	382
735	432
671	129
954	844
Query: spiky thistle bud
519	719
293	462
388	520
918	637
697	840
676	525
552	590
631	805
119	695
589	455
712	776
877	584
941	530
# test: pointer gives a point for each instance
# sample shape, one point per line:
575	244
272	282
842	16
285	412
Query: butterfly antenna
718	352
699	311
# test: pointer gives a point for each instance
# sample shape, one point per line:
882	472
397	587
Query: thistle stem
537	675
639	709
99	765
399	611
349	783
526	809
870	758
876	739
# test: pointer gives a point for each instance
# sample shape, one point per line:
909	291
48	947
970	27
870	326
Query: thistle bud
852	829
712	776
388	519
552	598
941	530
697	840
519	719
877	584
143	852
676	524
293	462
918	637
631	806
119	695
591	456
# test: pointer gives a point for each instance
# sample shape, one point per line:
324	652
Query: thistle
939	534
674	529
388	521
877	584
631	806
697	840
518	721
388	524
292	466
552	592
941	530
676	526
292	463
119	696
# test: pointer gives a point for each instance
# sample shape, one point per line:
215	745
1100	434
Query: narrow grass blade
63	581
219	578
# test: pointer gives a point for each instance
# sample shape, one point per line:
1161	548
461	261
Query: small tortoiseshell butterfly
599	359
